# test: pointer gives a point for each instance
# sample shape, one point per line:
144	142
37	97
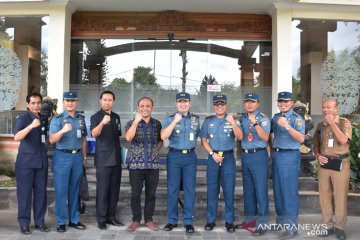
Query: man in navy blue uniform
288	129
182	128
68	131
218	133
106	128
31	167
255	127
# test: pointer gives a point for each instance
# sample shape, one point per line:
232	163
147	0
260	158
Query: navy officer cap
220	98
251	97
70	96
285	96
182	96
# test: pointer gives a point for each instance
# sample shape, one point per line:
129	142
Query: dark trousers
108	181
137	179
31	181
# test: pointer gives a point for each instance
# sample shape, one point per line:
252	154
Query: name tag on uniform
78	133
191	136
43	138
330	142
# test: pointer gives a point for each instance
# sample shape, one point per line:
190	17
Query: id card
78	133
330	142
191	136
43	138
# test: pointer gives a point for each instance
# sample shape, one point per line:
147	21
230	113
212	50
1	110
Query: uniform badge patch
298	122
264	123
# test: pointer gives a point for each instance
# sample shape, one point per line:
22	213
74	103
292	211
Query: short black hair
107	92
152	102
33	94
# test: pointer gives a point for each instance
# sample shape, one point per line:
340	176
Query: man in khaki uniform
331	139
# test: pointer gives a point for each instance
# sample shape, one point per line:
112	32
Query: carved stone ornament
10	78
170	20
340	79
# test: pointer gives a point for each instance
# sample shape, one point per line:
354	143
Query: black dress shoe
42	228
244	224
102	225
115	222
326	233
61	228
230	227
78	225
288	235
168	227
340	234
25	230
259	232
210	226
189	228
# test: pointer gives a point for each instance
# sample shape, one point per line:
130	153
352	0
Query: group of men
283	134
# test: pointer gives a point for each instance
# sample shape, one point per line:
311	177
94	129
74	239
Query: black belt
74	151
224	152
254	150
340	156
284	150
183	151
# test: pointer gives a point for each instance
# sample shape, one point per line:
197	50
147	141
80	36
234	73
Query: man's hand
177	118
137	117
329	119
252	118
283	122
230	119
66	128
106	119
35	123
217	158
322	160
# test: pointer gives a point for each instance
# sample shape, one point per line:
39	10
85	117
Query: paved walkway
9	230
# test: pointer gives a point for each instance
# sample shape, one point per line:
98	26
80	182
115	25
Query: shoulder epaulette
263	115
59	115
343	119
171	114
210	116
241	115
195	115
296	114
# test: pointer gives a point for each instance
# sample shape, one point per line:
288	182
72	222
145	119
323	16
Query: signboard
214	88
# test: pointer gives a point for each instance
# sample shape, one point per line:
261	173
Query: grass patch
8	183
7	171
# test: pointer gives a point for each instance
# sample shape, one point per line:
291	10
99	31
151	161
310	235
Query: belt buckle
184	151
221	153
246	151
73	151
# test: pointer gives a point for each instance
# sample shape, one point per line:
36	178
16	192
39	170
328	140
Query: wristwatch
255	124
211	153
288	127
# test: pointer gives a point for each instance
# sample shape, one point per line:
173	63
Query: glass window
327	52
23	64
160	68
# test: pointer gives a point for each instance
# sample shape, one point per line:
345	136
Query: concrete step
308	205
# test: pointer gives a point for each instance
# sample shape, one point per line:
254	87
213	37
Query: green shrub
355	158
